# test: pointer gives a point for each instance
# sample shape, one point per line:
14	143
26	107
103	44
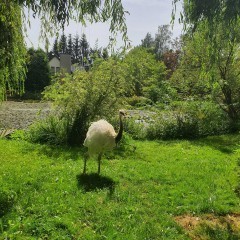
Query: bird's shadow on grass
93	182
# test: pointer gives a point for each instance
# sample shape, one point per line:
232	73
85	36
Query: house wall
65	62
54	64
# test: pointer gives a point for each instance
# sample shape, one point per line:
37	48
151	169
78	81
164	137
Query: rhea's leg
85	162
99	162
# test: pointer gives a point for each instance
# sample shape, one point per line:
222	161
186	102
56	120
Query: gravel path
19	115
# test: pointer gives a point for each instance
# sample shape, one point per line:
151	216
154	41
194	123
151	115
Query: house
54	64
62	62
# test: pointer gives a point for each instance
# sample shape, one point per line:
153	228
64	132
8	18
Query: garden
169	143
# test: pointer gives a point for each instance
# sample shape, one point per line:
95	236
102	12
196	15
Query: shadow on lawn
93	181
51	151
225	144
6	203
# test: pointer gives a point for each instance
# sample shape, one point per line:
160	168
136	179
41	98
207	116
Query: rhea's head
122	113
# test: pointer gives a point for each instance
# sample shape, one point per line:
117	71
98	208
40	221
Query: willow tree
12	48
221	21
211	11
54	15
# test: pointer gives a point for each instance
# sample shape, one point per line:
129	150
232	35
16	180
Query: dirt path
19	115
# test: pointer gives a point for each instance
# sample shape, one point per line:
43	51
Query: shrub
79	99
210	117
136	130
38	74
175	126
183	120
137	101
52	130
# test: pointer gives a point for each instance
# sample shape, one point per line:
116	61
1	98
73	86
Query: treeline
79	49
191	94
164	47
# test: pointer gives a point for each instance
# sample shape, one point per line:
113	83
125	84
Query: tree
53	15
220	77
164	47
171	61
38	74
146	76
211	11
105	54
55	49
162	41
95	52
70	45
148	41
189	79
63	44
76	50
84	46
12	49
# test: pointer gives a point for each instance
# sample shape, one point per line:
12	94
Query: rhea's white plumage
100	137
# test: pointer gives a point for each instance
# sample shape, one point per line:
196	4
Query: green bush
38	74
136	130
177	126
80	99
137	101
183	120
53	130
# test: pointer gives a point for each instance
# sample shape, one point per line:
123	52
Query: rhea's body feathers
100	137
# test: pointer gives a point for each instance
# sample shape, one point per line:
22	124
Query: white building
62	62
54	64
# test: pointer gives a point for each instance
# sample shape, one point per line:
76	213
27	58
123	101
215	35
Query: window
52	70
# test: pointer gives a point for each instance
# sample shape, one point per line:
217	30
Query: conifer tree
63	44
55	49
70	45
76	50
84	45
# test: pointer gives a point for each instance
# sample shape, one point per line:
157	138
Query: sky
145	16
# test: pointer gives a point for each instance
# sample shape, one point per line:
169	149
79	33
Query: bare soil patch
193	224
19	115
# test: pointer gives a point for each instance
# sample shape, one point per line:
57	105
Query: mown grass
43	194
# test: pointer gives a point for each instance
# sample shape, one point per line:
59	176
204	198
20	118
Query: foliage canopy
12	49
53	15
38	75
85	96
212	11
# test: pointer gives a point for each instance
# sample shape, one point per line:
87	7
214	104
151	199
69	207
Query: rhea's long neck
120	132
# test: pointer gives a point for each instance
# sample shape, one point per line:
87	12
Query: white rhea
101	137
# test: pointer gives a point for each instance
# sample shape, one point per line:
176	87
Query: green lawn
137	196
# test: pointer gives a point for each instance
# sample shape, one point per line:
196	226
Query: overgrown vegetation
179	120
38	74
12	49
173	89
138	195
82	98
